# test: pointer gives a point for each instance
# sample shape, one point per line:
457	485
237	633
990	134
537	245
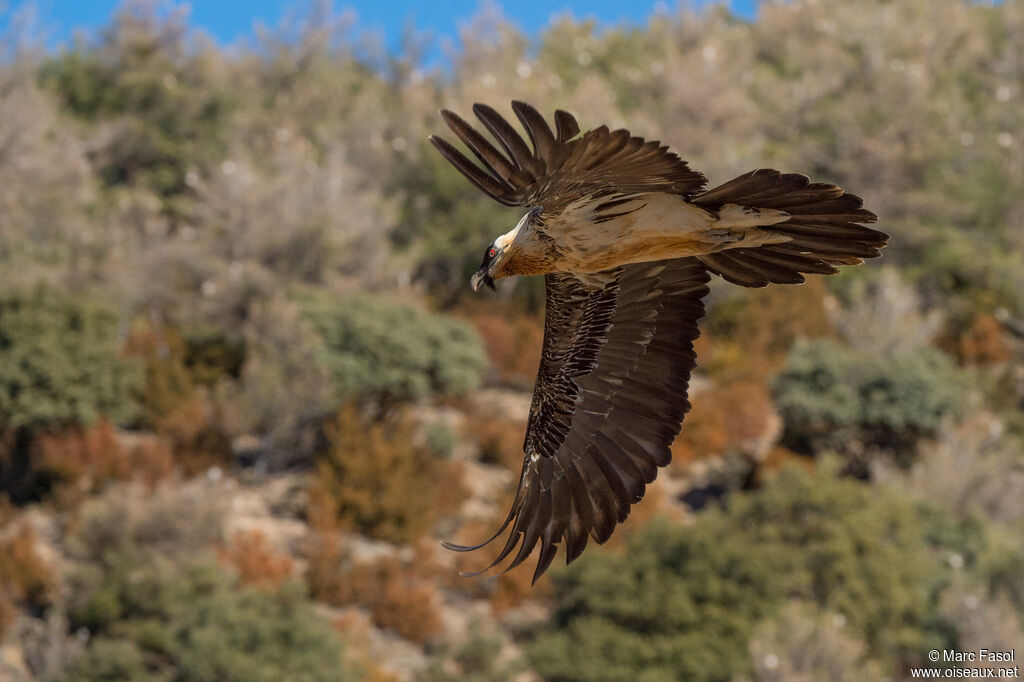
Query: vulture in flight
627	238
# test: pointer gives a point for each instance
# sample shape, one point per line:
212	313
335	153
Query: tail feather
825	229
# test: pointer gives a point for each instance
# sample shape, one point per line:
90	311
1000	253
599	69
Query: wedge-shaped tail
825	229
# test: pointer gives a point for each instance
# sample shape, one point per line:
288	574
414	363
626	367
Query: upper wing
609	400
562	164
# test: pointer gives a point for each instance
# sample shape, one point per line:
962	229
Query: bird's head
498	257
488	269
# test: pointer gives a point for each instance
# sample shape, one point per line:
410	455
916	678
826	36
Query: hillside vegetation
245	389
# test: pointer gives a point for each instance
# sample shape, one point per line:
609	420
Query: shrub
26	581
985	342
177	116
377	479
398	598
734	416
108	659
195	435
286	392
835	398
175	402
59	368
79	461
59	363
198	625
499	439
683	600
747	335
255	561
323	552
478	659
174	523
376	349
804	644
440	439
167	382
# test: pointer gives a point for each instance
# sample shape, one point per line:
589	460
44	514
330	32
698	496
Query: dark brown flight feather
561	166
609	400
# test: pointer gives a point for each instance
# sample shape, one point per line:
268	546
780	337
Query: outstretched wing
562	165
609	400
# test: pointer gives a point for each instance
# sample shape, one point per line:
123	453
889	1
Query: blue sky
231	20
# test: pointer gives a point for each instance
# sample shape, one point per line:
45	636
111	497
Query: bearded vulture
626	235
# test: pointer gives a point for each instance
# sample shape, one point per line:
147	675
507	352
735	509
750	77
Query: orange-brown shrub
25	579
79	460
378	479
323	552
724	417
780	456
984	342
498	439
512	338
750	334
398	597
172	403
195	438
255	561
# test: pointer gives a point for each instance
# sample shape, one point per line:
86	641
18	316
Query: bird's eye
492	252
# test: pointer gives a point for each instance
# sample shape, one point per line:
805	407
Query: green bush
478	659
835	398
376	349
59	363
199	626
683	601
110	660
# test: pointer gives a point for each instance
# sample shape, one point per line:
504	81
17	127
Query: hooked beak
481	277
